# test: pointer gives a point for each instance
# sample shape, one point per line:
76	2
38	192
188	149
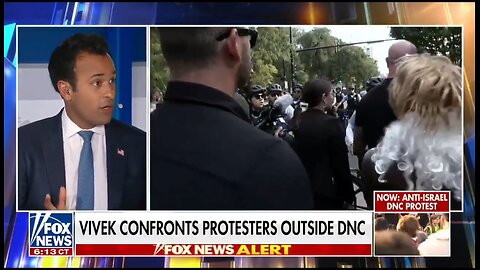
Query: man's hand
359	146
335	109
279	132
62	201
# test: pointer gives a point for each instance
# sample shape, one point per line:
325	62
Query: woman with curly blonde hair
423	149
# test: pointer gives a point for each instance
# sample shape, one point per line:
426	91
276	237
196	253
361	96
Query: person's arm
340	164
142	205
137	186
352	120
359	145
22	181
279	181
24	185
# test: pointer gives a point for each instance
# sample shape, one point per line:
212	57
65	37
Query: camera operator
280	112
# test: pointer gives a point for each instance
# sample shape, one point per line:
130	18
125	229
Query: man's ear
65	90
233	45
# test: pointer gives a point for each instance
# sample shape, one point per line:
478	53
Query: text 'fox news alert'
223	250
50	234
412	201
223	233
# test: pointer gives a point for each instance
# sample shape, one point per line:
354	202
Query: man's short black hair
314	90
62	61
381	224
189	47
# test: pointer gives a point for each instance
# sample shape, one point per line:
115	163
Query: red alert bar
224	250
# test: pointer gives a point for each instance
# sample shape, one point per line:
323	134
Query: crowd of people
412	234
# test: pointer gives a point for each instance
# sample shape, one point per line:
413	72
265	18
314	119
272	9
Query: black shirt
374	114
319	142
205	155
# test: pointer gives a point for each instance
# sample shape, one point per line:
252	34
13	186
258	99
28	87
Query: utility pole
291	59
337	52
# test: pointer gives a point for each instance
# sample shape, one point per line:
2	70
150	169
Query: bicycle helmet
275	88
257	89
297	86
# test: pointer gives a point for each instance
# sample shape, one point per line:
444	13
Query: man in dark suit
205	155
82	159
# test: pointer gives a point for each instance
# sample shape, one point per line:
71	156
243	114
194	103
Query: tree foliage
351	66
314	62
348	64
271	55
159	73
434	40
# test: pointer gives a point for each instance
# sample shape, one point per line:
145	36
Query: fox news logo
50	230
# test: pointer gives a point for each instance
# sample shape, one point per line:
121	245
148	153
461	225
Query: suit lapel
54	158
116	167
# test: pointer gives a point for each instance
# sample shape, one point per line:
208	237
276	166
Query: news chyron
50	234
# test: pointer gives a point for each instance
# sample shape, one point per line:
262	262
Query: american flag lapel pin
120	152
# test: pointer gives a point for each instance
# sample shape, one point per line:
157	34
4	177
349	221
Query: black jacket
205	155
41	165
320	144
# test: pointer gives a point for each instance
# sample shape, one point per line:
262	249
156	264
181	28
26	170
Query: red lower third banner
223	249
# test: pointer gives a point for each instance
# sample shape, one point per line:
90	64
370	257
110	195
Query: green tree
351	66
299	68
348	64
264	73
434	40
159	72
314	61
270	54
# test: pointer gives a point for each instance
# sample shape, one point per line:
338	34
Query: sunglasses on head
241	32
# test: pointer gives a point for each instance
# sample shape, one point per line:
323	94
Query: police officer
258	109
274	91
297	96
